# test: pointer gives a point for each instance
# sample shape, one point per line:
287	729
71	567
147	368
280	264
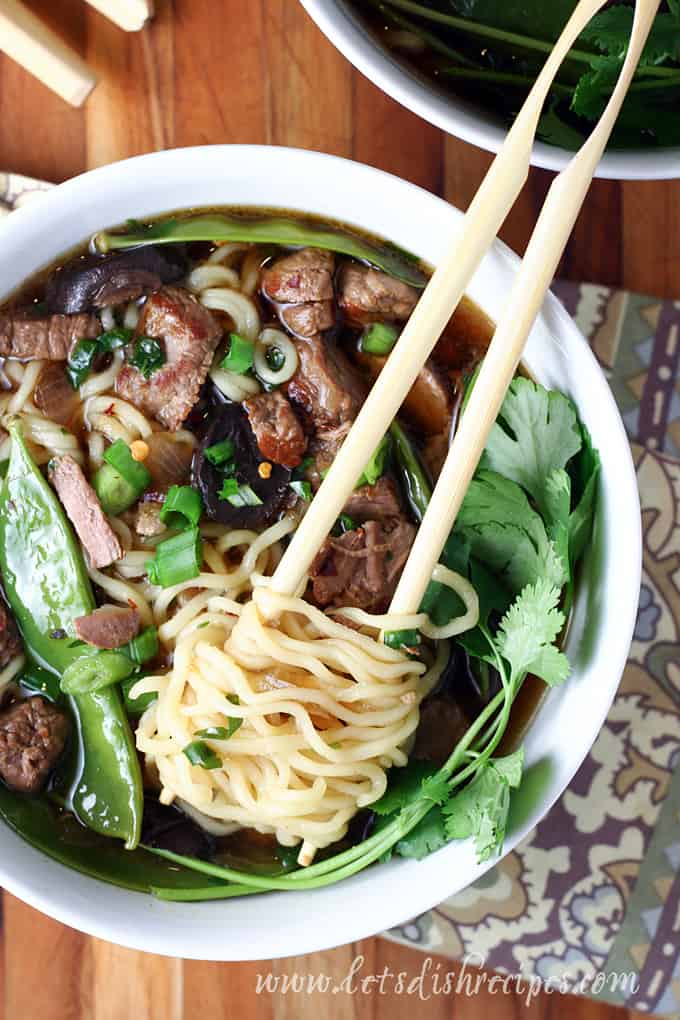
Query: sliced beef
325	387
361	568
84	511
305	275
32	736
55	396
277	430
94	281
308	319
10	642
367	295
147	521
374	502
108	627
190	333
48	337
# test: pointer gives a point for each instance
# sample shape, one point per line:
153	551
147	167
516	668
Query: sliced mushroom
94	281
270	484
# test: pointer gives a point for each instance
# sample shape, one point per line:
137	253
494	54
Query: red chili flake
110	409
132	604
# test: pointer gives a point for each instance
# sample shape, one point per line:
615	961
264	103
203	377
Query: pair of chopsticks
487	212
28	41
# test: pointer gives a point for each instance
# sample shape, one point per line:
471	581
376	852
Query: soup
174	396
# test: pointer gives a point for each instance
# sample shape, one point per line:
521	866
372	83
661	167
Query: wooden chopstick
486	214
130	15
29	42
554	225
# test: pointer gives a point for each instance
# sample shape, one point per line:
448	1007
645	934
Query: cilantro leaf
404	786
506	534
536	433
527	631
595	87
610	31
424	838
481	808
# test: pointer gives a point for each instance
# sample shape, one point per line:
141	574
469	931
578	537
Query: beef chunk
108	627
325	387
305	275
32	736
10	642
308	319
148	521
374	502
435	450
190	334
361	568
367	295
278	432
49	336
301	285
84	511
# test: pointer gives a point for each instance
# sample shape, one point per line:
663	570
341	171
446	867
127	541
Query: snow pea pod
286	231
47	587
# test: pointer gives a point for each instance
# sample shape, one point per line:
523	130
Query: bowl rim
455	117
74	900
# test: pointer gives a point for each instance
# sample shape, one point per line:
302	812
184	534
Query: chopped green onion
343	524
182	508
401	638
220	732
199	753
220	453
147	357
177	559
239	358
4	464
302	489
118	455
83	356
37	679
239	495
139	705
113	492
121	480
213	733
94	672
379	338
376	464
144	647
300	471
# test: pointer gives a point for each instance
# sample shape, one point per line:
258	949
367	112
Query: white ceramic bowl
273	925
456	116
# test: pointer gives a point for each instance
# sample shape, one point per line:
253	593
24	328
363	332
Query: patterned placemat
591	899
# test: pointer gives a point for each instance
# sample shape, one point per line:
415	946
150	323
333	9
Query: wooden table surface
259	71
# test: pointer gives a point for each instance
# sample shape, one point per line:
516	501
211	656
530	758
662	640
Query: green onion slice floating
379	338
200	754
177	559
182	508
94	672
239	358
239	495
220	453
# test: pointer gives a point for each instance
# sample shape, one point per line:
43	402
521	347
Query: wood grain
260	72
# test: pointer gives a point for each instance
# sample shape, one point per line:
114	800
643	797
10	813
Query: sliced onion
55	396
169	459
107	318
275	339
